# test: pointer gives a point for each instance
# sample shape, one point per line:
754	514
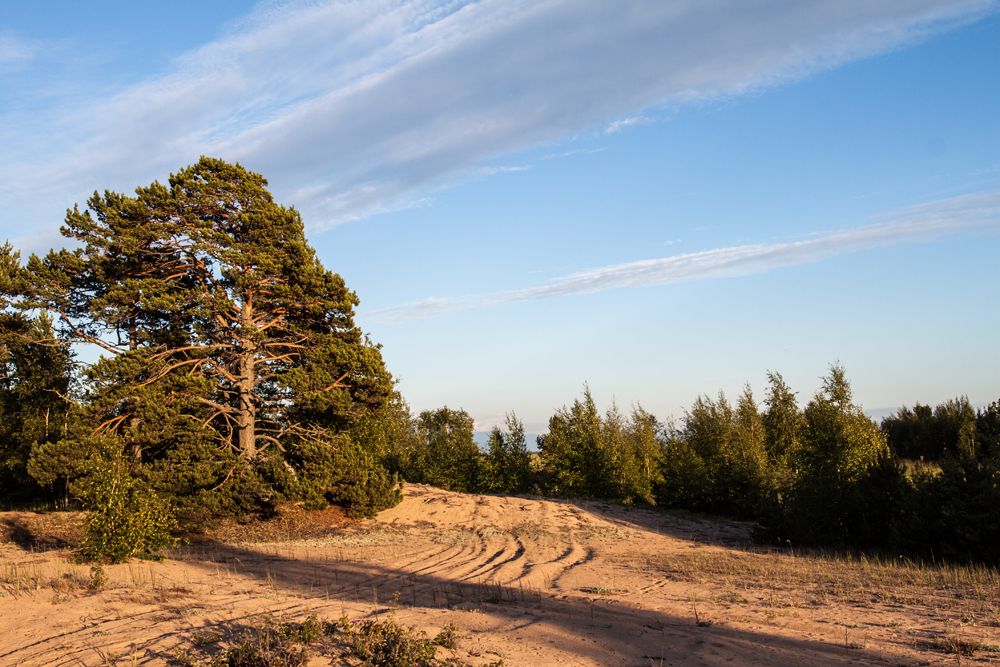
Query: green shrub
686	482
127	519
843	472
370	643
506	466
389	644
447	638
952	514
445	455
613	457
264	648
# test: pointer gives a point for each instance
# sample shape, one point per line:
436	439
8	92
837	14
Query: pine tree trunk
133	424
246	416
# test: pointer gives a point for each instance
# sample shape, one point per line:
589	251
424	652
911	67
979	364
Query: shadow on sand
717	531
601	630
28	538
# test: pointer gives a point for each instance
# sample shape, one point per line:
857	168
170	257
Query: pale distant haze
659	199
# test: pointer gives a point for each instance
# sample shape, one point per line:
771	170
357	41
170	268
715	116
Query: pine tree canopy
206	296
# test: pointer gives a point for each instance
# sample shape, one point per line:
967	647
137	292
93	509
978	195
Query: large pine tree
218	322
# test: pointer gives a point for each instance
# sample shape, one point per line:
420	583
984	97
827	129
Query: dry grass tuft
957	645
17	579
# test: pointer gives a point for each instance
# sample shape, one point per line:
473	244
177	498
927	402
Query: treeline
823	474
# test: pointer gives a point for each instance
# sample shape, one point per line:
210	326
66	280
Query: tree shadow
16	530
691	527
602	630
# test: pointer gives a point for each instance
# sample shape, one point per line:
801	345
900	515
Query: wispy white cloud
573	152
503	169
616	126
355	108
918	223
14	49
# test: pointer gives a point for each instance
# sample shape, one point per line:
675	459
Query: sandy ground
534	582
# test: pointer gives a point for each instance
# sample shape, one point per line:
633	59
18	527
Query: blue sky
658	199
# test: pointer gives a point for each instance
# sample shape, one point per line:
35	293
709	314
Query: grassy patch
369	643
389	644
786	579
957	645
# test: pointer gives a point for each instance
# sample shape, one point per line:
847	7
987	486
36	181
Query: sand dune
534	582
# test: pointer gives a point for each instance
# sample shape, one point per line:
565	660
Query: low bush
127	519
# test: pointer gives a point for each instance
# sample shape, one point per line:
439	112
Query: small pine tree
506	466
574	452
641	461
708	429
447	455
686	480
833	465
782	425
744	470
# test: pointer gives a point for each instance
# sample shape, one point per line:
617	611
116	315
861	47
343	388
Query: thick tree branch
338	383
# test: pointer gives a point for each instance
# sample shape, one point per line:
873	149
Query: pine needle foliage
506	465
228	347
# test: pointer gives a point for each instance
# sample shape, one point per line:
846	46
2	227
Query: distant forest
233	379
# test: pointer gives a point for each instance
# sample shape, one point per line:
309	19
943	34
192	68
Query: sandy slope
535	582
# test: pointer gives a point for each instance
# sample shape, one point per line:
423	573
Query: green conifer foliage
573	450
746	471
329	467
227	341
612	457
708	427
640	458
388	433
782	424
506	467
841	448
721	465
951	513
35	385
988	432
687	483
947	430
36	406
447	455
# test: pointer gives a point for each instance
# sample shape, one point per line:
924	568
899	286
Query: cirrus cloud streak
925	222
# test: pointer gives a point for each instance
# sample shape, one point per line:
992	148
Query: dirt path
533	582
